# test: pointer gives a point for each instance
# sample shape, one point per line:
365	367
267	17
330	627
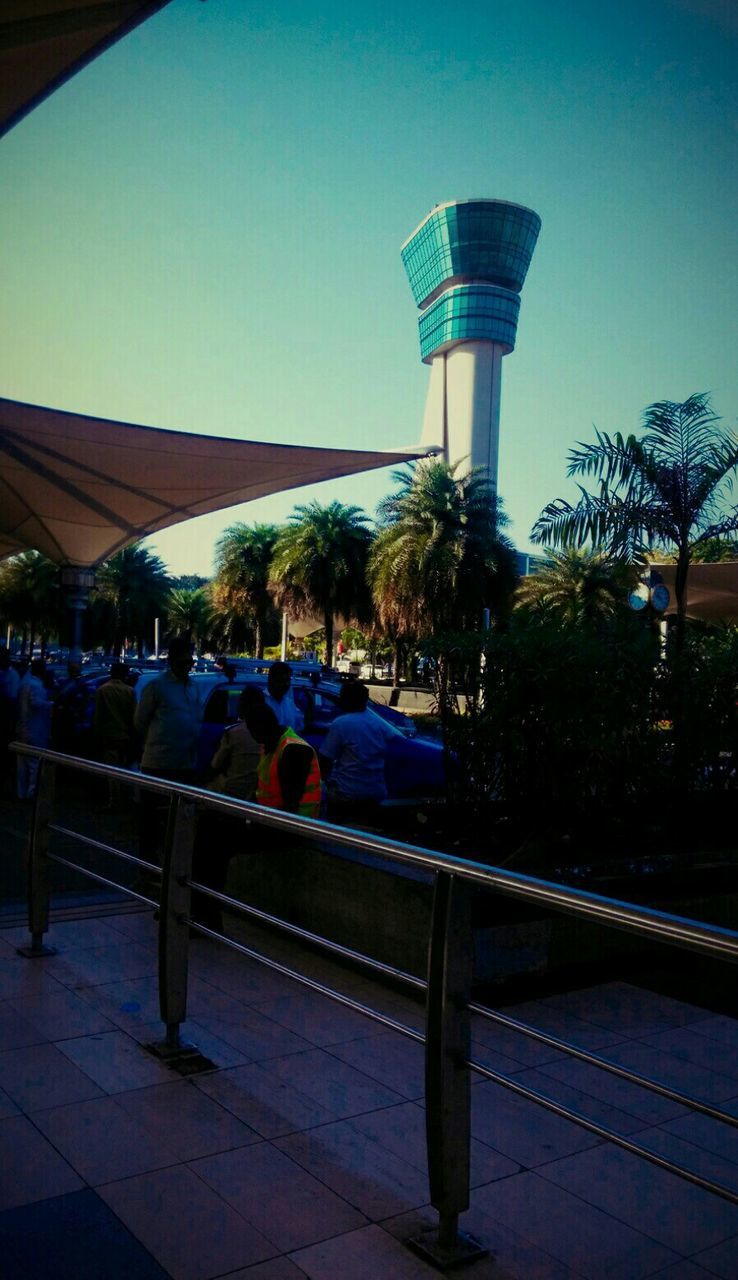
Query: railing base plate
464	1251
186	1058
36	953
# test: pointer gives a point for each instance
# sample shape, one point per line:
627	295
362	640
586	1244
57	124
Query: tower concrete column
466	263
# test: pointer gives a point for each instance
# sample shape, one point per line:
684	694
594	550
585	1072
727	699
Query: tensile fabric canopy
45	42
78	488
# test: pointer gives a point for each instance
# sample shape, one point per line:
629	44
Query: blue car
415	765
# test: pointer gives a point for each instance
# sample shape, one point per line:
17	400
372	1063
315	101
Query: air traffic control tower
467	263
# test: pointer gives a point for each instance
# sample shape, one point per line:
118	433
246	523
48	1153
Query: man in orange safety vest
288	775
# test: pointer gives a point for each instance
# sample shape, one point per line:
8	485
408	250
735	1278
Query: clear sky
201	231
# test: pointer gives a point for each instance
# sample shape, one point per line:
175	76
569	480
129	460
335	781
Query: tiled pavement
302	1154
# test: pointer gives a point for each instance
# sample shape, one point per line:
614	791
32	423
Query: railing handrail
644	921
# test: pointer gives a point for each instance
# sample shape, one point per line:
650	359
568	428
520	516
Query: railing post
447	1077
174	942
38	863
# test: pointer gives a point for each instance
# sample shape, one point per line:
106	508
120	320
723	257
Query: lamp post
76	586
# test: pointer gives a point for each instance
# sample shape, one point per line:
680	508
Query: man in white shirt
352	757
280	698
168	718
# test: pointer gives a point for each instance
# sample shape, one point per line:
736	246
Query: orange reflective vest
269	788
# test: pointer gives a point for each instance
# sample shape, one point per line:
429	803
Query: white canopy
45	42
712	590
79	488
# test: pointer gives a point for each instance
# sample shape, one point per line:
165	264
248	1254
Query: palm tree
577	586
439	559
136	583
191	614
243	556
29	596
319	565
668	488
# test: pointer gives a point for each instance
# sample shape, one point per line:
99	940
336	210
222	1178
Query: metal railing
449	1007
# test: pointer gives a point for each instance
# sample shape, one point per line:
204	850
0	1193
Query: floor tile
631	1098
284	1203
510	1046
591	1242
667	1068
30	1168
185	1120
124	959
61	1014
102	1141
511	1257
372	1178
332	1083
70	935
40	1076
15	1030
564	1025
684	1270
188	1228
391	1059
523	1130
262	1101
318	1019
362	1255
115	1062
21	979
680	1216
720	1260
401	1129
274	1269
695	1158
689	1046
83	1237
592	1108
138	925
256	1036
238	975
626	1009
718	1028
7	1106
703	1131
222	1055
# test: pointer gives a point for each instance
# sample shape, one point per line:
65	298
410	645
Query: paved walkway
302	1154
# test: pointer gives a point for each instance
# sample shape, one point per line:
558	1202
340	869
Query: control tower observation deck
467	262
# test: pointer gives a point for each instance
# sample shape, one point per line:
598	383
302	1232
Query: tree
577	586
319	565
136	584
29	595
243	556
190	614
439	558
668	488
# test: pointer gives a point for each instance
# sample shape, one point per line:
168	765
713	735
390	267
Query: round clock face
660	597
638	599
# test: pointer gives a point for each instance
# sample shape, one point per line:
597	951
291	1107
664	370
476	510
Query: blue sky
201	231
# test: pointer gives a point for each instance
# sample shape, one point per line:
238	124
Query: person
9	686
280	699
112	723
235	764
69	711
235	768
352	757
288	775
168	719
33	725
